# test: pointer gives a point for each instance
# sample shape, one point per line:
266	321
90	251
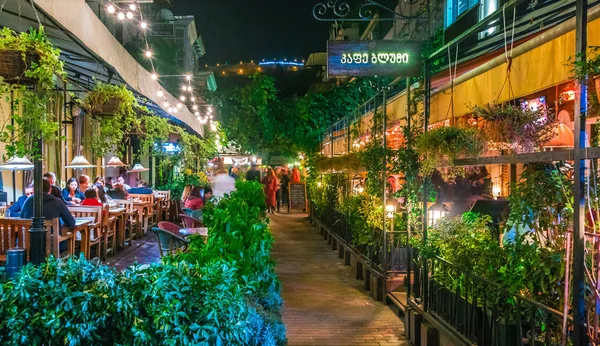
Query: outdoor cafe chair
134	226
187	211
96	228
190	222
150	210
197	214
166	204
169	243
14	233
169	226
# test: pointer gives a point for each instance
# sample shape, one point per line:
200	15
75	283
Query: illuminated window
455	8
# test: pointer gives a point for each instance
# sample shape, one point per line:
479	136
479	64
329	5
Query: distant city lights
287	63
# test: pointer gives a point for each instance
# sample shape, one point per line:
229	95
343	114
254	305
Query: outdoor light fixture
129	15
110	9
194	107
79	162
154	76
148	54
390	209
137	168
182	98
188	77
114	162
193	99
179	105
170	109
132	7
197	114
144	25
359	188
166	104
121	16
159	93
227	160
496	191
17	164
436	212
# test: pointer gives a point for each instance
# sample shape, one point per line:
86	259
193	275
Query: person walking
253	173
285	188
270	183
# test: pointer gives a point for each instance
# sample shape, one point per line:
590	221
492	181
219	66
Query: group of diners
195	197
79	191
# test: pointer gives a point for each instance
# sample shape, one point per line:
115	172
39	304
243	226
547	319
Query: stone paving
324	304
143	251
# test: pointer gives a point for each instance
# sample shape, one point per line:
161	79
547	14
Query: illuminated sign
284	63
171	148
373	58
162	29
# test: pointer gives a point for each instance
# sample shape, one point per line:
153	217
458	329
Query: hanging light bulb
182	98
166	104
188	77
175	110
210	117
189	88
154	76
184	87
129	15
194	107
170	109
197	114
121	16
193	99
144	25
110	9
179	105
159	93
132	7
148	53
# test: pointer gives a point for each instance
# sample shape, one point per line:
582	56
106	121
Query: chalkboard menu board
297	195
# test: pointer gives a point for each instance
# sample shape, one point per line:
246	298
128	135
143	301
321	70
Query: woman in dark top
71	193
118	192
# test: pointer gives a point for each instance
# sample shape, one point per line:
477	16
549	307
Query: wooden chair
96	228
57	235
169	243
150	211
133	229
190	222
166	204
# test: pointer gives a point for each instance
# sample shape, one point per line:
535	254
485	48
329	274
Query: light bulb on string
197	114
184	87
175	110
182	98
148	54
121	16
188	77
132	7
193	99
194	107
179	105
110	9
166	104
129	15
154	76
170	109
159	93
144	25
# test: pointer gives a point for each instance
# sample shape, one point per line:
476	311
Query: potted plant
28	58
115	109
588	68
515	128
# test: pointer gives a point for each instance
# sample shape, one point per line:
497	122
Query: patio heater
138	168
16	164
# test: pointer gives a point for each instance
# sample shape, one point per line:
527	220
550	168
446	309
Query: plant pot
110	107
597	85
13	66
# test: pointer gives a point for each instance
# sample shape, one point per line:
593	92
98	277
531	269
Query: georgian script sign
297	195
373	58
162	29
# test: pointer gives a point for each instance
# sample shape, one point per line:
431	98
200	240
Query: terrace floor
323	303
142	251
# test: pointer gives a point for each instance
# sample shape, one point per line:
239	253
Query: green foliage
521	267
222	292
112	129
156	131
582	69
32	111
441	146
516	129
177	184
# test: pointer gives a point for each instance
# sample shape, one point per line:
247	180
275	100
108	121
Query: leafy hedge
224	292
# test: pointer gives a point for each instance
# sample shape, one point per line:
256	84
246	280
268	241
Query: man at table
52	207
121	181
17	207
84	183
141	189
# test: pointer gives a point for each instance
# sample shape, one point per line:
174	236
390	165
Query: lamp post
37	233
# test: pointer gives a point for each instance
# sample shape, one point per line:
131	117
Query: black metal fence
481	311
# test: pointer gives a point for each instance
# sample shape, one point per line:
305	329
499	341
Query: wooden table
185	232
121	216
82	226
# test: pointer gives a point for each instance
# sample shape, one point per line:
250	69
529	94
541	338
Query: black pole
37	246
384	180
426	104
409	229
580	329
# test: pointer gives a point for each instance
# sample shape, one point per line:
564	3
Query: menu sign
297	195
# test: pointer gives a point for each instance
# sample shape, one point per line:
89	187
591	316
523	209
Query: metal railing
481	311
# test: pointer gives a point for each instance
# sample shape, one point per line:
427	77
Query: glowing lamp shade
359	188
115	162
79	162
390	210
436	212
17	164
137	168
227	161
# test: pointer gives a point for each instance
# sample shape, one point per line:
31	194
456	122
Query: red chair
169	226
190	222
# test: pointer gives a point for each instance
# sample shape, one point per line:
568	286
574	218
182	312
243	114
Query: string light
148	54
193	99
144	25
132	7
194	107
179	105
182	98
129	15
159	93
188	77
197	114
154	76
166	104
110	9
121	16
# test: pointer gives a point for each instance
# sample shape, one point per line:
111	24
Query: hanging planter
109	107
13	66
107	100
588	68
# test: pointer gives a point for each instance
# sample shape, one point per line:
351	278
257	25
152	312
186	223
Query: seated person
56	191
194	201
121	181
103	197
109	183
15	209
141	189
91	198
52	207
71	193
208	194
118	192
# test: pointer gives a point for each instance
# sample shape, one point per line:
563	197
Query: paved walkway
324	304
142	251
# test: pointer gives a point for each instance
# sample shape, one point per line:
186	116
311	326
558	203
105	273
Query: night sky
243	30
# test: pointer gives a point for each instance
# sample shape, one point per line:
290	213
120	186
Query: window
454	8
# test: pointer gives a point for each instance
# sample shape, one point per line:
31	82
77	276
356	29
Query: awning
91	52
